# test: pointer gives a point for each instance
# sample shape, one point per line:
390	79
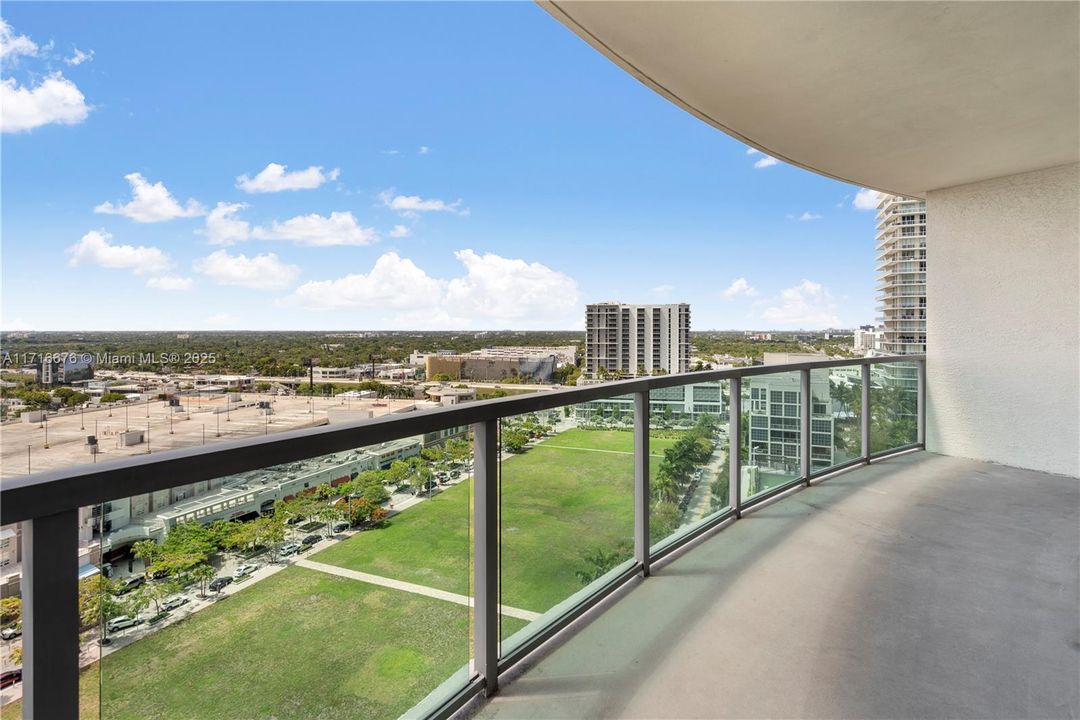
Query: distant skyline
371	166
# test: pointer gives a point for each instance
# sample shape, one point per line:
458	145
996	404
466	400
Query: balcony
527	572
834	598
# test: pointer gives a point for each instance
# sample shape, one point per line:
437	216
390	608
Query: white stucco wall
1003	312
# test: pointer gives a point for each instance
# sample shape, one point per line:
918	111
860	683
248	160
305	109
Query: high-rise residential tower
901	258
631	340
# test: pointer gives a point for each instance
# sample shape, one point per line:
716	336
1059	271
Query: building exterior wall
491	369
631	340
1003	340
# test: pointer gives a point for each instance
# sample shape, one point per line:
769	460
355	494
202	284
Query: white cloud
394	282
423	150
340	228
662	291
151	202
79	57
222	228
95	248
511	291
169	282
807	305
807	216
399	231
739	286
412	204
12	45
391	152
263	272
752	151
55	100
767	161
494	291
866	199
275	178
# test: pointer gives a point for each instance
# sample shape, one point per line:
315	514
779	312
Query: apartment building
867	339
629	340
775	435
901	258
682	404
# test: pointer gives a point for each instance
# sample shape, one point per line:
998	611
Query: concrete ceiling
903	97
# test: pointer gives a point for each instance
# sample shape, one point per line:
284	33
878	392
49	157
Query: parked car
340	527
289	549
159	574
455	474
129	584
217	584
10	677
10	633
245	569
310	540
175	602
122	622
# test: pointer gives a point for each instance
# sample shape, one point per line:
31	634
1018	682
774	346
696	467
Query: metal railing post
735	445
50	591
920	399
486	553
804	417
865	419
641	480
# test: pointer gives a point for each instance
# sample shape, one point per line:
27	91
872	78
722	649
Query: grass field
557	505
305	644
299	644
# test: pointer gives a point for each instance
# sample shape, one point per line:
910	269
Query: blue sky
384	166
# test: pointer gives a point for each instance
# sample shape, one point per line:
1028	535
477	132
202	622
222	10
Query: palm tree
203	574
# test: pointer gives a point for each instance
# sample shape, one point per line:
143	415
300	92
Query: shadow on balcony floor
921	587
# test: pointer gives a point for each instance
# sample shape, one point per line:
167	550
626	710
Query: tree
98	602
148	551
330	514
202	574
514	440
398	472
600	561
663	520
156	592
10	611
720	489
419	479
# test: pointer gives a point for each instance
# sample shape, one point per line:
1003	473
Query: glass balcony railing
396	566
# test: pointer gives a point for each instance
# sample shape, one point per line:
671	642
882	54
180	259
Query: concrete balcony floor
920	587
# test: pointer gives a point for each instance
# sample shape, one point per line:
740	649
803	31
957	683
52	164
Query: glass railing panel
688	463
331	587
894	400
835	425
770	451
566	502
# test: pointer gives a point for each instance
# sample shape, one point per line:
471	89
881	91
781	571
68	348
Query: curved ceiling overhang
903	97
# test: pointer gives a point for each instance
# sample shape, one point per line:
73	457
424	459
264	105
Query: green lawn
557	505
304	644
299	644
